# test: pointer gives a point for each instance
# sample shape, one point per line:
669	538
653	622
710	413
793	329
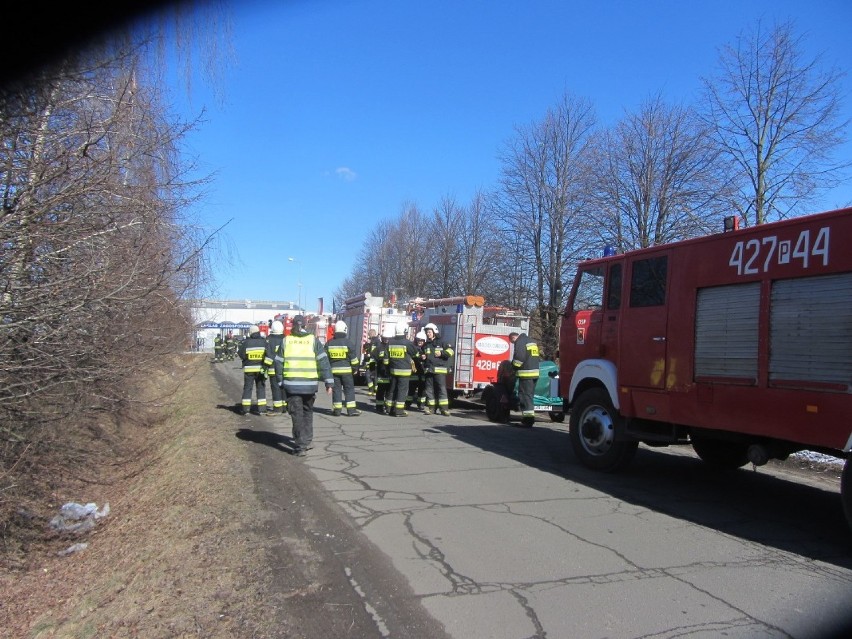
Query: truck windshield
590	290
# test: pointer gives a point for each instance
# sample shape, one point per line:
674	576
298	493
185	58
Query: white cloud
346	174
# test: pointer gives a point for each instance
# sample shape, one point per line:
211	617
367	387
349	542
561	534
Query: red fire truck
479	336
739	344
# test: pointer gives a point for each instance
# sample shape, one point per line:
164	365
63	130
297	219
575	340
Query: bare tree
543	189
98	260
776	117
440	240
480	250
657	179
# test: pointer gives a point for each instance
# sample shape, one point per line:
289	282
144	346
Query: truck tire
494	411
846	491
721	454
594	429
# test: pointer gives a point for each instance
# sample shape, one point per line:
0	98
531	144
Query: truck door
642	334
580	336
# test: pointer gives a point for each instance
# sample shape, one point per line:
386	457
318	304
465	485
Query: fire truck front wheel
846	491
594	433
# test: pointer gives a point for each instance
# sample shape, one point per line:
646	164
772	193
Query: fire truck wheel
494	411
846	491
593	430
721	454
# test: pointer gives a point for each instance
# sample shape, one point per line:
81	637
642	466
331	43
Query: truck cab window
590	289
648	282
613	295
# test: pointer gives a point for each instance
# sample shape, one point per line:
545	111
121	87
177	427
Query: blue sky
336	113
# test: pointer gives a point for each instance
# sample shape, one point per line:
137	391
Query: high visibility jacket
401	352
342	356
251	353
300	362
525	358
438	357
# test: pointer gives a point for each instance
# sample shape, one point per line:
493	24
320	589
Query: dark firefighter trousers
301	409
436	391
344	390
251	381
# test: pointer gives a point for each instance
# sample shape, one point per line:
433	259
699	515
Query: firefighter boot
353	412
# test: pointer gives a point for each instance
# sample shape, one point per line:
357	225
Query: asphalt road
426	525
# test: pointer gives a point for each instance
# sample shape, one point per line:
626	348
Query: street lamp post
299	284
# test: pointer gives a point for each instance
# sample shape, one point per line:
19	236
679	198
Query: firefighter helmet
420	336
400	329
340	327
431	326
388	331
254	329
277	328
298	323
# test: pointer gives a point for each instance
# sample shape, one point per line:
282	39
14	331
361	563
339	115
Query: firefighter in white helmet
437	363
417	386
381	357
251	351
273	341
402	352
343	358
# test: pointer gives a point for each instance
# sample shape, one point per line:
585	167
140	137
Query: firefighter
437	362
381	358
417	386
525	360
300	363
369	363
273	341
218	347
251	352
401	352
343	358
230	346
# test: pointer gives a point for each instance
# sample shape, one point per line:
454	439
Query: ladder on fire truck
466	332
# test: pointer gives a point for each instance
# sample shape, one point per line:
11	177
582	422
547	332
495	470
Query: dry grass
176	557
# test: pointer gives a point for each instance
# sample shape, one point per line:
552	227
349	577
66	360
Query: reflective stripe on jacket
251	353
437	357
341	356
525	359
401	352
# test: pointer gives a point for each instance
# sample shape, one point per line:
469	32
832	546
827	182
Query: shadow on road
267	438
753	505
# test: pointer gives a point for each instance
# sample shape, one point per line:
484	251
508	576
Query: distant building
220	317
